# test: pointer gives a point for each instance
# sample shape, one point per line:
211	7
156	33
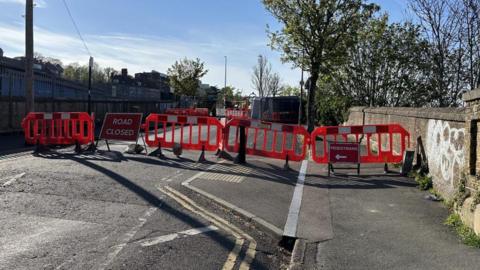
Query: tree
185	75
261	76
228	92
274	86
288	90
79	73
441	26
316	35
387	67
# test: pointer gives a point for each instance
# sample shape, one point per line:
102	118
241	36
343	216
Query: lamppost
90	66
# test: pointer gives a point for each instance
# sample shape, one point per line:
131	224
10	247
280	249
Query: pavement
112	210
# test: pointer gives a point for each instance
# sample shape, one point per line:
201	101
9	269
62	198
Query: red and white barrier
188	131
273	140
58	128
378	143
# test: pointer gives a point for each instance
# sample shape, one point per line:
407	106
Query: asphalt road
113	211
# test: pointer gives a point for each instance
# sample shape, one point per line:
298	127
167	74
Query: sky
152	34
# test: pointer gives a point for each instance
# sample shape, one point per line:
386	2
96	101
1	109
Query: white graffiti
445	149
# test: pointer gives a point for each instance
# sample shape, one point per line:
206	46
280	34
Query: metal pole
29	93
90	66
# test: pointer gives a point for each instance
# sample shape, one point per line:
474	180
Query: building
48	82
150	85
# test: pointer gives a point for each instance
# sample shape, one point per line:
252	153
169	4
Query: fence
188	131
61	128
378	143
266	139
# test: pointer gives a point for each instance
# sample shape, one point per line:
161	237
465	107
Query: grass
466	234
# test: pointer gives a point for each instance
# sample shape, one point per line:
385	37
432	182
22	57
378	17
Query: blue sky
151	34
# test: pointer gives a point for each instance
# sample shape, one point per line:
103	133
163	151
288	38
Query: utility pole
90	66
225	86
29	93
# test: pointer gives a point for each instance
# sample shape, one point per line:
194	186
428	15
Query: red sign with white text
344	153
121	126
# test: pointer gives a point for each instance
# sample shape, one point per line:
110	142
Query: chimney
1	52
124	72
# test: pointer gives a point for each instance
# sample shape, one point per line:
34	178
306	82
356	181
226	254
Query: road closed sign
344	152
121	126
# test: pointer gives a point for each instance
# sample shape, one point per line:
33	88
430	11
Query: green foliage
462	192
185	75
435	193
232	94
289	90
317	35
331	109
466	234
476	201
424	182
79	73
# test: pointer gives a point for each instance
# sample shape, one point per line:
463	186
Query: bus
276	109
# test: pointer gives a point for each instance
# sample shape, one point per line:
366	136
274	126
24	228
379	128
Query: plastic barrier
237	114
378	143
266	139
189	131
59	128
188	111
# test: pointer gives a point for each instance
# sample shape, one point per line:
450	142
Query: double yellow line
240	236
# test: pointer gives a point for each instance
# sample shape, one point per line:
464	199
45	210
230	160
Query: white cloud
144	53
37	3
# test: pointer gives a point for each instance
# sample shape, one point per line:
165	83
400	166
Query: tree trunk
311	101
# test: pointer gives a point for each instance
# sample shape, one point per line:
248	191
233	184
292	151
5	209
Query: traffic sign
344	153
121	126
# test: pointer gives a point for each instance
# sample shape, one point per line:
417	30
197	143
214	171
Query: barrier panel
191	132
237	114
188	111
59	128
267	139
378	143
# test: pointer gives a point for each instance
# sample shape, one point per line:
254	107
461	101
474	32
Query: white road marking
290	228
12	179
173	236
126	238
222	224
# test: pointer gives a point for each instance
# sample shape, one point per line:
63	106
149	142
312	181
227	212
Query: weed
424	182
462	192
435	193
476	200
466	234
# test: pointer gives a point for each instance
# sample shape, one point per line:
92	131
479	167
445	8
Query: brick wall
439	132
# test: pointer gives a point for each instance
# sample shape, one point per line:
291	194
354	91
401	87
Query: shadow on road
146	195
359	181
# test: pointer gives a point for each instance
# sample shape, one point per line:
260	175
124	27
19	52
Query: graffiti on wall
445	150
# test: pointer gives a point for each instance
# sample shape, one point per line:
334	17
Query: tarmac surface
113	210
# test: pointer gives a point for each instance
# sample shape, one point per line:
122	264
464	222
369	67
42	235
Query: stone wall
13	110
439	133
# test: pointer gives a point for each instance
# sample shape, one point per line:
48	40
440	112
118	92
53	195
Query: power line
76	28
